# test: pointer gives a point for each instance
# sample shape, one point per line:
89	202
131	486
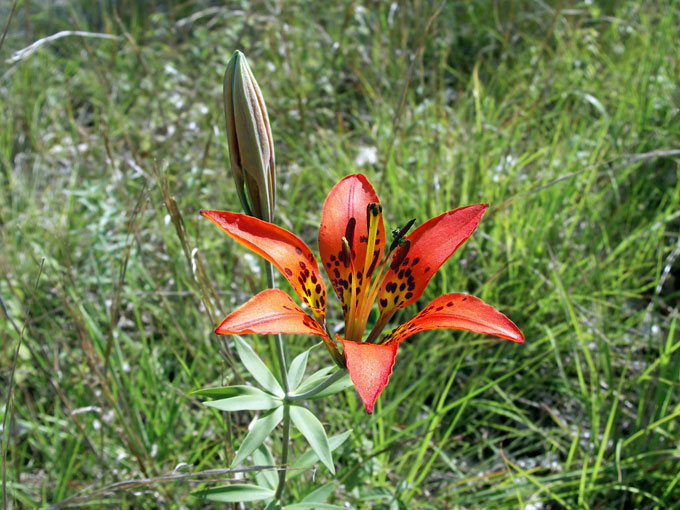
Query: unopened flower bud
251	148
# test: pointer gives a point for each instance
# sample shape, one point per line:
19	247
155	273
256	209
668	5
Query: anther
398	236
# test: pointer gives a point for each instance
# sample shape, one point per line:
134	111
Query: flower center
364	288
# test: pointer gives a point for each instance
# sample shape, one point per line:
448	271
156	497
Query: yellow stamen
369	299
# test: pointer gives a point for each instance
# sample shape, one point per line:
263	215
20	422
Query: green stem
284	453
279	339
280	354
318	389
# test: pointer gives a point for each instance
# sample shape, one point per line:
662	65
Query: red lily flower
352	245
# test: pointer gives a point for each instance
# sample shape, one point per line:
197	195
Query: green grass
565	119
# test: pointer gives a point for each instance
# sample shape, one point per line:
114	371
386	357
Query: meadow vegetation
564	116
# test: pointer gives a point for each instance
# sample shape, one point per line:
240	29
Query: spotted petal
287	252
370	367
457	311
270	311
423	252
345	215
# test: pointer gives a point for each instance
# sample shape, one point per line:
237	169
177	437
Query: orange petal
423	252
287	252
345	215
370	367
270	311
457	311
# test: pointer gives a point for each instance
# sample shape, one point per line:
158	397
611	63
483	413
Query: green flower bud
251	148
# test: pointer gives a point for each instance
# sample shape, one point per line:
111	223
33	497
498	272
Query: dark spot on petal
465	298
408	295
426	269
402	286
318	288
383	303
302	265
298	251
288	272
449	304
313	278
439	308
415	261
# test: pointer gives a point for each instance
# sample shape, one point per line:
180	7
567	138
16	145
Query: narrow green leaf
311	428
223	392
314	380
308	459
297	369
246	398
266	477
313	506
339	385
236	493
257	368
319	495
262	427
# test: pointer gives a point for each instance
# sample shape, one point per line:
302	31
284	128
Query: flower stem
318	389
284	453
280	354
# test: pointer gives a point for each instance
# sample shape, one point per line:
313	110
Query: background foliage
563	116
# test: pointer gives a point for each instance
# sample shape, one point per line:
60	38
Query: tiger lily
363	270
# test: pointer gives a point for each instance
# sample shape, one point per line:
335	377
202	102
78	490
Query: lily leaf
319	495
297	369
313	430
308	459
266	477
236	493
262	427
246	398
257	368
339	385
221	392
314	380
303	505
